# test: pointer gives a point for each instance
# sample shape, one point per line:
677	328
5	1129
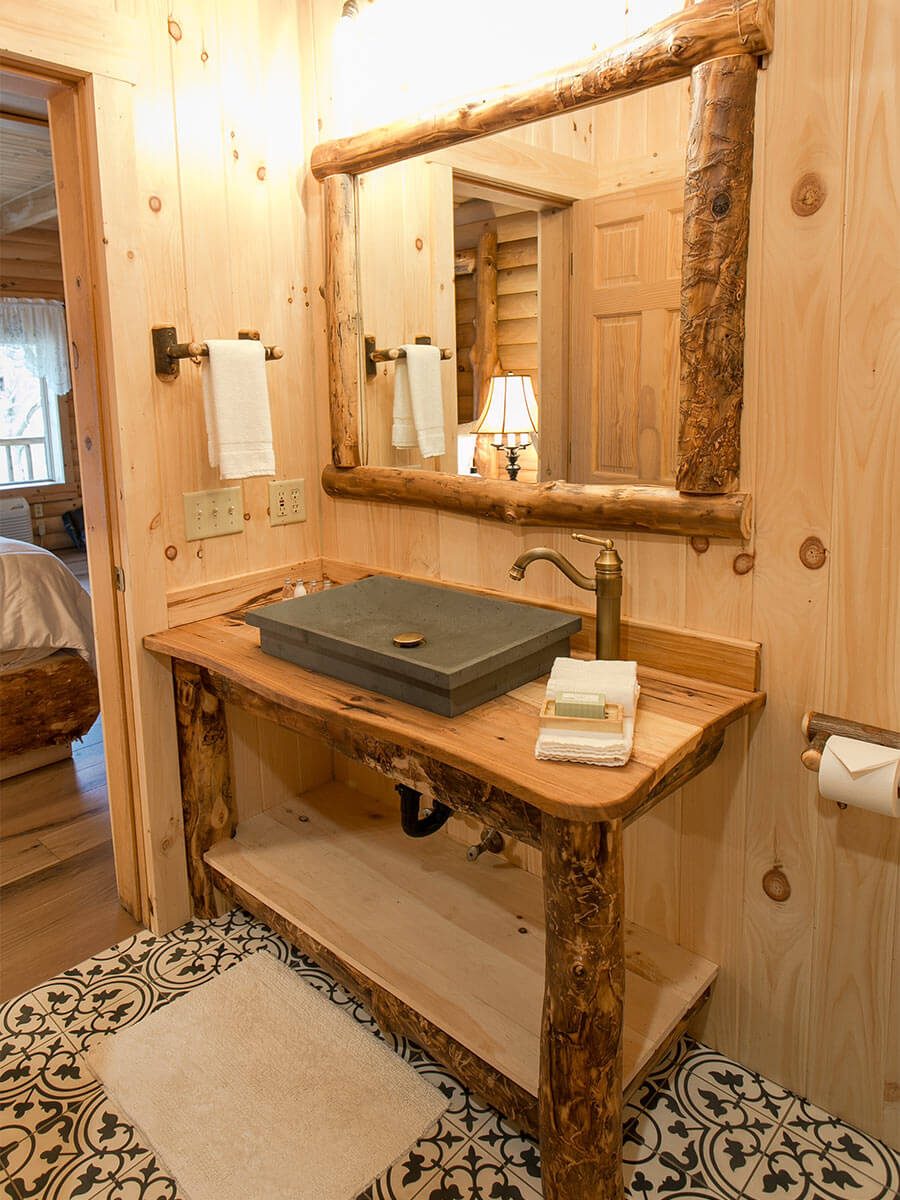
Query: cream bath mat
257	1087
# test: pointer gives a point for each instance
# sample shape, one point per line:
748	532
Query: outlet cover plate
213	514
287	501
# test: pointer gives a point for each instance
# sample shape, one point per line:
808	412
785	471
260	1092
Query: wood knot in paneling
776	885
175	30
743	564
808	194
813	553
700	544
171	553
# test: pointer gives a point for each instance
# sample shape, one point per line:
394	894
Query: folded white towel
618	682
614	679
418	404
576	745
236	403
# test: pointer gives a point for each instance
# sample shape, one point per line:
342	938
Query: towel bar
373	356
819	727
167	350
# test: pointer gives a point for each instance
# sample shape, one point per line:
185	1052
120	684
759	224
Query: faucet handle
606	543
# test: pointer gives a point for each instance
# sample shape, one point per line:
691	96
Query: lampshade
511	407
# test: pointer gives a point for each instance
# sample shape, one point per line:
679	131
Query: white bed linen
43	607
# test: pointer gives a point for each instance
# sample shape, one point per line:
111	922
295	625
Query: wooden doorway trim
92	131
99	504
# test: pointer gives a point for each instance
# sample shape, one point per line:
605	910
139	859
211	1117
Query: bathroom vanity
538	994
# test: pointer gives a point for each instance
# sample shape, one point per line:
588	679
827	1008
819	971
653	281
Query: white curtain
40	327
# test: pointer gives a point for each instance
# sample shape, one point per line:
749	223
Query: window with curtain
34	373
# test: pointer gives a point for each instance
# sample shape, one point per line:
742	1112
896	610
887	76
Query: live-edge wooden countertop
677	719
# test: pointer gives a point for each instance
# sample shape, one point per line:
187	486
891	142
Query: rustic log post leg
206	794
581	1039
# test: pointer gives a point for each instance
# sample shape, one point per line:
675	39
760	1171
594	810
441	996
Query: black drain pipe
412	824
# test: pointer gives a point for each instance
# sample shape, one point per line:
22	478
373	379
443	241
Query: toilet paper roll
861	774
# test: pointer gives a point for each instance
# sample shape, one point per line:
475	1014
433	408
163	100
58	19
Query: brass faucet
606	586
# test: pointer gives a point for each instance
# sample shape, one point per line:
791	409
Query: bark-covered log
206	792
47	703
588	506
717	183
669	50
581	1041
485	354
342	305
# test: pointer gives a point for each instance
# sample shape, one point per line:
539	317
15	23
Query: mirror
719	48
552	252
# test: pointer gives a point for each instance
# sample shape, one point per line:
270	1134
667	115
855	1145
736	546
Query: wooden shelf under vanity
536	992
461	943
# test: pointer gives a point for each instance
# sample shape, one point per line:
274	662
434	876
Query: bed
48	681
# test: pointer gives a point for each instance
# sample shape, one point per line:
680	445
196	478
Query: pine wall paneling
215	239
855	984
818	406
224	152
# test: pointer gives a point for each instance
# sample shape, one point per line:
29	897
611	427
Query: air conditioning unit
15	519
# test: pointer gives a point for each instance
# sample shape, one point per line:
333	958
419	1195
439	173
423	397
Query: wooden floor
58	900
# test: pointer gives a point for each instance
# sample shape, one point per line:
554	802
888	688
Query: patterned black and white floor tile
701	1128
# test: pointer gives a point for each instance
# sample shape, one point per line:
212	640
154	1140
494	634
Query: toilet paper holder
819	727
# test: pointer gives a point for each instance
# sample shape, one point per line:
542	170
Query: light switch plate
287	501
213	514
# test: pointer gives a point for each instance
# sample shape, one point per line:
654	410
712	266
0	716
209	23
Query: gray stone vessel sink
473	649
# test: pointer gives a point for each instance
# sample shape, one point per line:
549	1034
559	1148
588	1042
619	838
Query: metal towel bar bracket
374	356
167	350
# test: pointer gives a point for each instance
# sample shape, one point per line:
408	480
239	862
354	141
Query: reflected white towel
236	404
418	404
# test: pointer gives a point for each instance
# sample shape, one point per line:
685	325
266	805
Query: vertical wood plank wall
809	992
221	159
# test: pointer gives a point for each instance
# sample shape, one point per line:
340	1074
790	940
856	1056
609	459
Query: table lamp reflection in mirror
511	415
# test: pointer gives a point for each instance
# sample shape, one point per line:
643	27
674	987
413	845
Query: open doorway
511	266
59	896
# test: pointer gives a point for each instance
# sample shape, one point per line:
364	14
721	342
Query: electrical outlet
213	514
287	502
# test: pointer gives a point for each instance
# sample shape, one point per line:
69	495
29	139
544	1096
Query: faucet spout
524	561
606	586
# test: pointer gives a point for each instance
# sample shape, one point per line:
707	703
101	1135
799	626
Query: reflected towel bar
373	356
167	350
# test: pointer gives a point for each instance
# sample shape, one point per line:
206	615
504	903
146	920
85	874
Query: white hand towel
616	680
236	403
618	683
576	745
418	404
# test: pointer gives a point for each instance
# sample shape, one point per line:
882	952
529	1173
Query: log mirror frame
717	43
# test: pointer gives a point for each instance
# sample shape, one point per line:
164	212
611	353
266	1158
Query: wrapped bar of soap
581	704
